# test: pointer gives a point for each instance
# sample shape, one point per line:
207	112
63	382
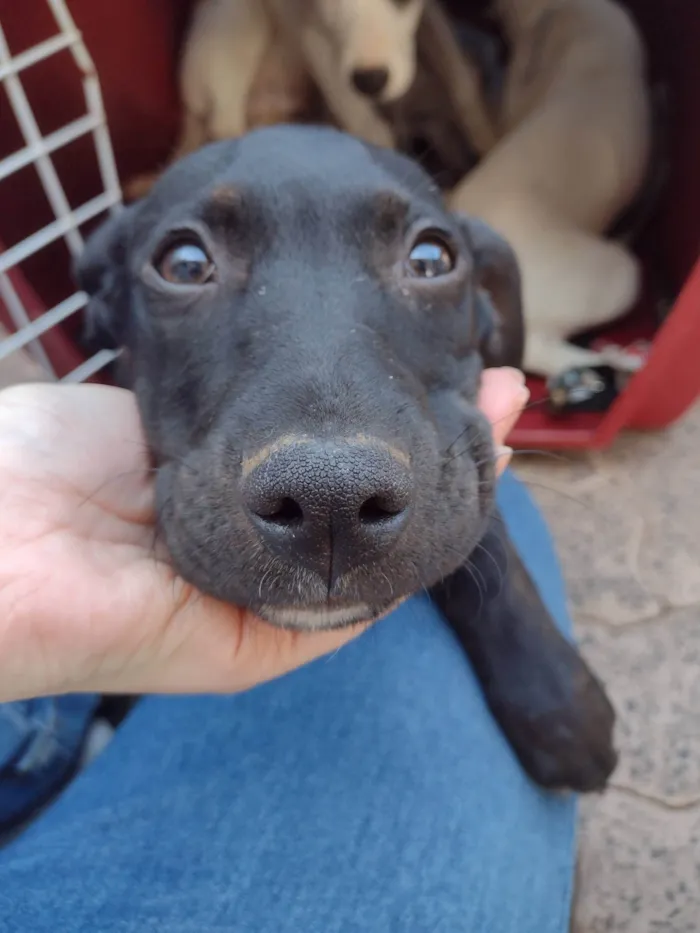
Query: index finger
502	397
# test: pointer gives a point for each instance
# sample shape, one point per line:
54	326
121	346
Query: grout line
675	806
584	620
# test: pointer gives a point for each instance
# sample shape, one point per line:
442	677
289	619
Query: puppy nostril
284	512
370	81
377	510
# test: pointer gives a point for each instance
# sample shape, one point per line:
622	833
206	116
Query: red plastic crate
654	398
134	46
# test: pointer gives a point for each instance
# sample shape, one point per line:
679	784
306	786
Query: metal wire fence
22	344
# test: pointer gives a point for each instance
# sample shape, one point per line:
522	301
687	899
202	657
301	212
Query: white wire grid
37	151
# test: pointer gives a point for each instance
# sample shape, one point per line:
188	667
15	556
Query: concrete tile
652	674
598	537
636	450
565	471
639	868
627	521
658	476
627	526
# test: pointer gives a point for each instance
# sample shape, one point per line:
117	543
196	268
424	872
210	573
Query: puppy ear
498	297
101	272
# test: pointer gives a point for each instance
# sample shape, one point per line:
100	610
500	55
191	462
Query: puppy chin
321	618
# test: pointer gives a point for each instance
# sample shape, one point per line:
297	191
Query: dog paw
561	728
622	360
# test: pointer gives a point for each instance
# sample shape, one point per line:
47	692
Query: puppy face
303	322
376	42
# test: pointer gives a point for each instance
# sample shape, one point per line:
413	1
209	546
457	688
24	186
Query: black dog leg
547	702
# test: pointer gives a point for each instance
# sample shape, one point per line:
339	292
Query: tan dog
253	62
356	51
364	53
575	143
243	55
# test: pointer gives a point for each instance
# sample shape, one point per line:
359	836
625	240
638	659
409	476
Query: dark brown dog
304	326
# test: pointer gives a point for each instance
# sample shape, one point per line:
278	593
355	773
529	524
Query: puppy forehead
330	169
302	153
292	164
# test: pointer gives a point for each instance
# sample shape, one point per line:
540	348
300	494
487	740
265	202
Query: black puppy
304	328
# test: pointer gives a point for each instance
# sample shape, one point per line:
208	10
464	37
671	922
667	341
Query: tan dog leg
224	50
588	283
282	90
221	64
548	356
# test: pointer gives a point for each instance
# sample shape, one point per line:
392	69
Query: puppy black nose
370	81
330	506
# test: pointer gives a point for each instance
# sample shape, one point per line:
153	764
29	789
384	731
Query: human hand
86	604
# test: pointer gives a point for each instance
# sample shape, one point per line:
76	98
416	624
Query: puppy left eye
430	257
186	263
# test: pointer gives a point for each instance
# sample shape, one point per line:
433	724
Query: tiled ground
627	523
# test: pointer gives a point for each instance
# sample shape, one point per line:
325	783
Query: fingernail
524	395
517	374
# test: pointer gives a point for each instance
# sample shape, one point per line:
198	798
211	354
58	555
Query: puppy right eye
186	263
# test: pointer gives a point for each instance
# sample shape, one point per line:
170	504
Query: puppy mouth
393	94
323	617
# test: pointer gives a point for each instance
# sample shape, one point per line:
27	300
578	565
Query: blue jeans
40	742
370	791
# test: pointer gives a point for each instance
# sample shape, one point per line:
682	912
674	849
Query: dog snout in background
370	81
376	40
391	72
306	356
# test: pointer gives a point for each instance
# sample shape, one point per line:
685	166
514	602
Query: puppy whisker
499	571
537	403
